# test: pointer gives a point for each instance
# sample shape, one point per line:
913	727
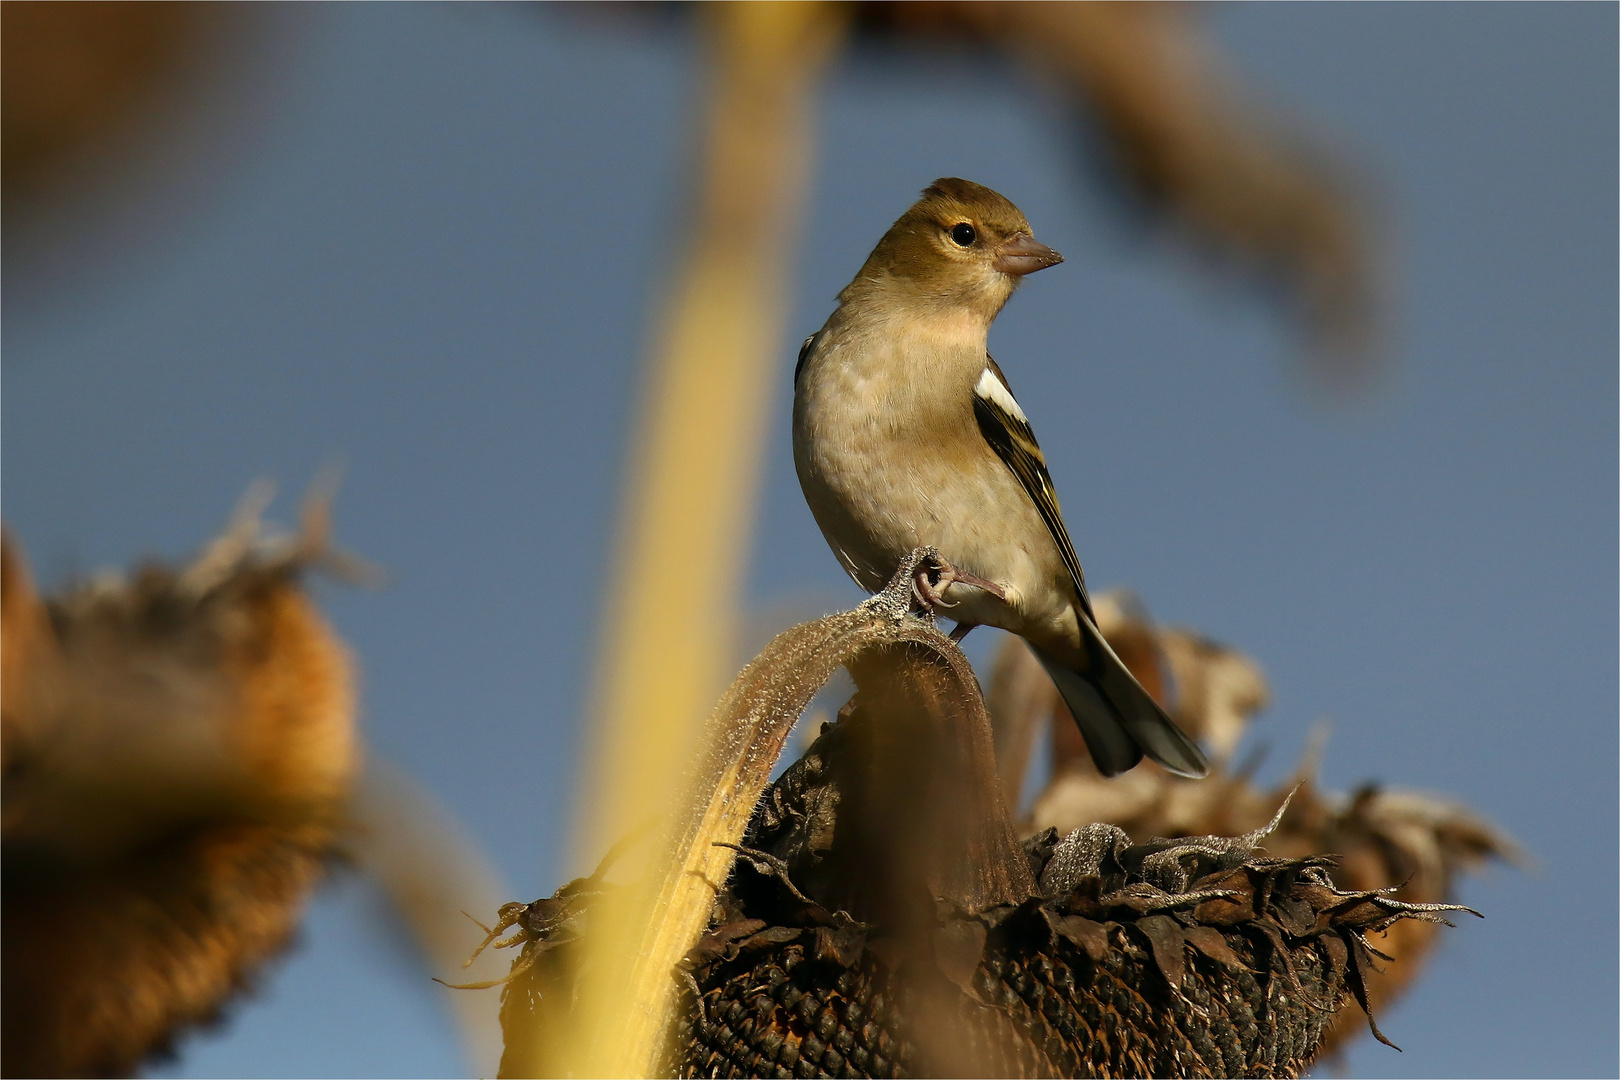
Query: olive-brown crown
945	245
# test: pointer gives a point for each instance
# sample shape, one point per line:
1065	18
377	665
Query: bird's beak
1023	254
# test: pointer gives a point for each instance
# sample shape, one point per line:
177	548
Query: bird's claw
932	576
928	584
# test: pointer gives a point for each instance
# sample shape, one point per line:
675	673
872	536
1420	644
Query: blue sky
433	261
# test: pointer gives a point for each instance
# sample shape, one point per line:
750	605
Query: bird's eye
964	234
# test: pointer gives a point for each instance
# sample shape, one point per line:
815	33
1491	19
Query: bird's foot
932	576
899	596
928	584
920	582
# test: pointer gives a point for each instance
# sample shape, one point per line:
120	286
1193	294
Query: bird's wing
1007	430
804	354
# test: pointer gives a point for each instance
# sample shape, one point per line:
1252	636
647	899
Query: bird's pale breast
890	458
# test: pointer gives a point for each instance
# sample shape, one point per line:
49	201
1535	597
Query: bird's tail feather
1119	720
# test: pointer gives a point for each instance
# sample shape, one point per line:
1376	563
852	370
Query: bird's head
960	246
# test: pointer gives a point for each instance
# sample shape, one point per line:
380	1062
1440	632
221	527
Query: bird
906	434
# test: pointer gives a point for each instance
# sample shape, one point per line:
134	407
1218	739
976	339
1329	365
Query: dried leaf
1210	942
841	945
1092	937
1169	947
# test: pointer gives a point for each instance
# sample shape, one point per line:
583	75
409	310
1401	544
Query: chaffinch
906	434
